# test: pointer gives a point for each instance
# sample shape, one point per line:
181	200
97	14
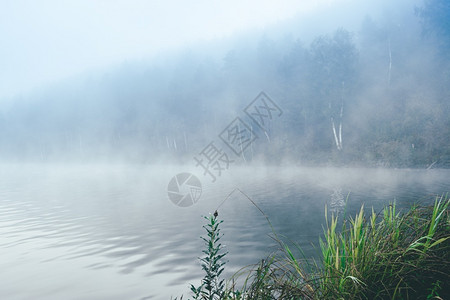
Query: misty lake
110	231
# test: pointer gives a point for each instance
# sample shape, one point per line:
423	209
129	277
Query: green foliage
371	256
397	257
212	287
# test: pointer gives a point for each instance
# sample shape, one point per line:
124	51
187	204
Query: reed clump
389	255
395	256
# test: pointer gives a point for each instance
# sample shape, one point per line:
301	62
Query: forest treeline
378	96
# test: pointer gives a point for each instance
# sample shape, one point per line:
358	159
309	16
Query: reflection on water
110	232
337	202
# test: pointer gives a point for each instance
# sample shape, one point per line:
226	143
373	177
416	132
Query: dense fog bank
374	94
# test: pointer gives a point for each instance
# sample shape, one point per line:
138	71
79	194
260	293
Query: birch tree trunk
338	134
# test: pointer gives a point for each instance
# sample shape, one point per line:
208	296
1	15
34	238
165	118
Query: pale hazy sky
43	41
46	40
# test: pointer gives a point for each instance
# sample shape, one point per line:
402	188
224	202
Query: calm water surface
110	232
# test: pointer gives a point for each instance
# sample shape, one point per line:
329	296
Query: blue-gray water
110	231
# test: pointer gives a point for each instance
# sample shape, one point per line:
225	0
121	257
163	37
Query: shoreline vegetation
385	255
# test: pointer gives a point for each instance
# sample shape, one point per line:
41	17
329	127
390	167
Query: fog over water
122	123
110	232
